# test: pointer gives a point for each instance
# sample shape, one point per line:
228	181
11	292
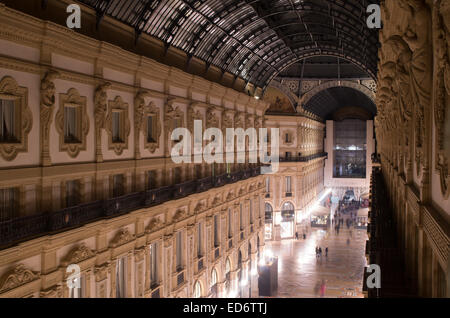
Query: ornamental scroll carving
47	103
100	109
123	236
18	276
211	119
73	99
405	84
441	29
173	118
10	90
77	255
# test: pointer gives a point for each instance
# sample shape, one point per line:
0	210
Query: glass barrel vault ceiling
253	39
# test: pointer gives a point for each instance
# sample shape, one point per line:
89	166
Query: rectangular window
8	203
7	121
230	223
71	134
216	230
179	244
288	184
151	124
251	211
118	185
120	277
287	137
154	265
117	126
228	168
267	184
199	240
72	193
151	180
241	217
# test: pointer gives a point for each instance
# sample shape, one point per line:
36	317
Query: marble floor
299	271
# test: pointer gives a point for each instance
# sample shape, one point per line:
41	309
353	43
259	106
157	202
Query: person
320	251
296	235
326	251
322	288
317	252
304	236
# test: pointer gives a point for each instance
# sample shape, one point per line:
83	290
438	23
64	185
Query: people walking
320	251
322	288
326	251
296	235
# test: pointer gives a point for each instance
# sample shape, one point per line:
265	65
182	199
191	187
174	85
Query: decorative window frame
118	104
73	97
9	89
152	111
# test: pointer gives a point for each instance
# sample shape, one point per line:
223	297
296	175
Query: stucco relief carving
172	115
123	236
192	115
118	105
77	255
72	98
18	276
211	119
154	225
100	110
47	103
23	120
441	29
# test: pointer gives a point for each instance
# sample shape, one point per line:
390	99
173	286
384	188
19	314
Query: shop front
320	217
287	221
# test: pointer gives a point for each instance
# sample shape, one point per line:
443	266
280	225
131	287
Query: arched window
268	211
214	283
197	290
213	277
288	210
227	275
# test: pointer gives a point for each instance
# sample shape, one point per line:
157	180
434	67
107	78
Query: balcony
20	229
304	158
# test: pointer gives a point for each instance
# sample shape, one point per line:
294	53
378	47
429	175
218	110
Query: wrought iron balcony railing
15	230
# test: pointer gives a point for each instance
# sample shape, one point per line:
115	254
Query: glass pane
116	137
150	136
349	149
7	123
70	125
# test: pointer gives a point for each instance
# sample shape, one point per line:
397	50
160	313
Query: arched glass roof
253	39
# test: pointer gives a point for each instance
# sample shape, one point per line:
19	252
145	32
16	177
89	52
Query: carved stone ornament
178	215
23	119
227	120
17	277
211	119
46	113
441	27
53	292
122	237
77	255
155	224
100	109
73	99
118	105
192	115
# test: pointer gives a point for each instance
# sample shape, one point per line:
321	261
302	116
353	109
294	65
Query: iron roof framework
253	39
